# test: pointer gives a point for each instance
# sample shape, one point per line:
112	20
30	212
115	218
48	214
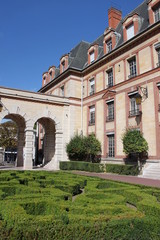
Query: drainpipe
82	106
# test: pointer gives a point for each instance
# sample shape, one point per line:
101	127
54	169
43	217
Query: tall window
111	147
50	75
109	78
92	86
157	14
158	52
134	108
63	66
130	31
109	45
92	115
132	67
92	57
110	106
62	91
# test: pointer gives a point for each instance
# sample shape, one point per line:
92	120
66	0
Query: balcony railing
110	118
132	75
91	93
92	122
135	112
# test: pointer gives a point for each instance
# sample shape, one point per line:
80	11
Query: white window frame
130	31
92	115
157	14
92	86
92	57
109	45
109	75
62	90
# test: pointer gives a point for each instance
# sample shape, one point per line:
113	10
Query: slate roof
78	56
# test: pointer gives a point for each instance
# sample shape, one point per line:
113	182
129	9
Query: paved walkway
122	178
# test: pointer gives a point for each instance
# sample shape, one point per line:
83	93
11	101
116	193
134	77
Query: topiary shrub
82	148
135	143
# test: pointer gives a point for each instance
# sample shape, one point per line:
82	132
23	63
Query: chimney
114	17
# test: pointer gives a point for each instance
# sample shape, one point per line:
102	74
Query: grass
39	205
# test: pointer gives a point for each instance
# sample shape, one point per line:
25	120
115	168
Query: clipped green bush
122	169
82	166
134	142
82	148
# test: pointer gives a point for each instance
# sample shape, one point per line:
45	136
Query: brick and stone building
103	77
94	91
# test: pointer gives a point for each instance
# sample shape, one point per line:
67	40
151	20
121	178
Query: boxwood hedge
76	207
97	167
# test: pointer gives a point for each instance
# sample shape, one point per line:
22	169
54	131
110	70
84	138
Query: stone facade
103	76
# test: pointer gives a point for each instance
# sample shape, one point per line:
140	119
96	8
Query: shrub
82	166
122	169
75	148
134	142
84	149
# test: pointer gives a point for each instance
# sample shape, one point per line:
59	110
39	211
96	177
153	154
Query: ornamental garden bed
42	205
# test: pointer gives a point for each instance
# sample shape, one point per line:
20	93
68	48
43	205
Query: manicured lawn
59	205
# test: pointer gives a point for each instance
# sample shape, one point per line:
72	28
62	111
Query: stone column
58	149
28	149
21	141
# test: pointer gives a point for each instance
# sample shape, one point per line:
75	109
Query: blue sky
34	34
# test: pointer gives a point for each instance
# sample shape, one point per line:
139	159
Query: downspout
82	106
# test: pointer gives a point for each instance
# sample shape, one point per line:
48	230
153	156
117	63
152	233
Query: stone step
152	171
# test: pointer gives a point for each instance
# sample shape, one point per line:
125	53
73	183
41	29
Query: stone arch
53	144
49	138
21	125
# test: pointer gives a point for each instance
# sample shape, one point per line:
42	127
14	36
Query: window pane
109	46
111	151
92	56
130	31
110	78
157	14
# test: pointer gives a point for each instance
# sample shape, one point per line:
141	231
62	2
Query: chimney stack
114	17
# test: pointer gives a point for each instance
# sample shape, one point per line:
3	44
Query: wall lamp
143	96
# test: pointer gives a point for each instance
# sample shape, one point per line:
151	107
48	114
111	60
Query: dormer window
63	66
157	14
64	63
92	57
92	53
130	31
62	91
50	75
109	45
154	11
131	26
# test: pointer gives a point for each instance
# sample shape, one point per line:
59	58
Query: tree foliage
134	142
82	148
8	135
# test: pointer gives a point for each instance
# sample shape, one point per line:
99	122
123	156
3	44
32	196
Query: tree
134	142
8	135
82	148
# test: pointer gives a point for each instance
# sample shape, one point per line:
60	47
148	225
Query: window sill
91	124
138	114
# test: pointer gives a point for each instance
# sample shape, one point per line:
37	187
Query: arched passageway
20	122
46	140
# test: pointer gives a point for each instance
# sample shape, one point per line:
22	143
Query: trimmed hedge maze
57	205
